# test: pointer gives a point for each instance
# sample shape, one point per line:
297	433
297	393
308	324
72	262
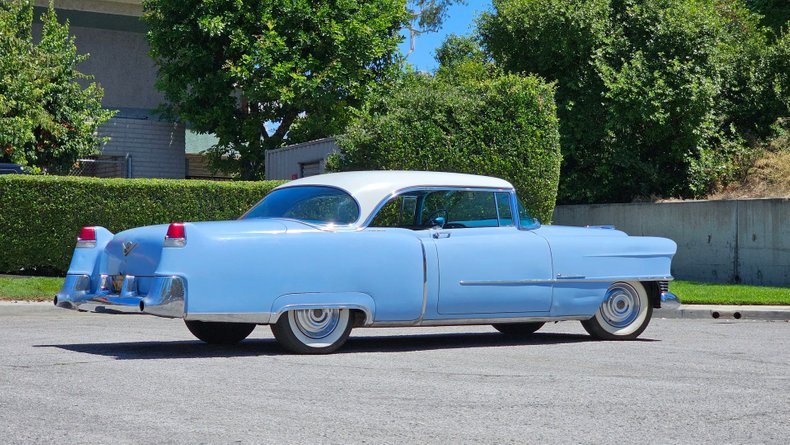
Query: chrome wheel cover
622	306
316	323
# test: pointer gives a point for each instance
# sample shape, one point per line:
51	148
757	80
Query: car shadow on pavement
157	350
423	342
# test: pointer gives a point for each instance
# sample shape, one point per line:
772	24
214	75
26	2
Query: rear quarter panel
246	273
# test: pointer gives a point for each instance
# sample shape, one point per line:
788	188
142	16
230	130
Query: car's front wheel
313	331
624	313
219	333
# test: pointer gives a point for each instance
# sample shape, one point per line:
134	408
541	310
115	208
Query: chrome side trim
504	282
561	279
227	317
479	321
570	277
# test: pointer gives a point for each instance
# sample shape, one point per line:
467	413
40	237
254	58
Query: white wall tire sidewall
644	302
320	343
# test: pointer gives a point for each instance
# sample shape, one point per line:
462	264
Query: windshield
525	218
313	204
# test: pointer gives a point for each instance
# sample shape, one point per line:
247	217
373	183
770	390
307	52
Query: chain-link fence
103	167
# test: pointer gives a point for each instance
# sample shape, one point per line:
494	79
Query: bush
659	97
41	215
467	119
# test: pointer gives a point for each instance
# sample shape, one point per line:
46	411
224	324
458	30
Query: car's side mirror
439	222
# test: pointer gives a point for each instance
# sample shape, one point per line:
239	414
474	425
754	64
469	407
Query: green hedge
41	215
470	120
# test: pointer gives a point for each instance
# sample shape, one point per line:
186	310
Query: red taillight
87	237
176	235
87	234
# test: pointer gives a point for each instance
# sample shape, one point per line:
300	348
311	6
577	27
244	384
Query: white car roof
369	188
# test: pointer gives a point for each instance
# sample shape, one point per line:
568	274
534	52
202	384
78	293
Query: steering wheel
454	225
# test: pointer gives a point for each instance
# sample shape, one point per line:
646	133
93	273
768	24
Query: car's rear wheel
518	329
219	333
624	313
313	331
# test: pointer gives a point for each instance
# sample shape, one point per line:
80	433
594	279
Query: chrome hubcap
316	323
622	306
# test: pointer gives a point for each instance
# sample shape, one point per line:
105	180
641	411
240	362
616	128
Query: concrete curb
731	312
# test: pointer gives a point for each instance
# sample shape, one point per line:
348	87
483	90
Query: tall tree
655	97
47	119
426	16
257	72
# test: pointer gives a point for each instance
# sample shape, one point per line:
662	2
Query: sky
460	21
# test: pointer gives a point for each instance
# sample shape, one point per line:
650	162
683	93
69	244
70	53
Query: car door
486	264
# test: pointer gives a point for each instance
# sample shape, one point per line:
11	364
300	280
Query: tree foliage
655	97
468	118
234	68
426	16
775	13
47	119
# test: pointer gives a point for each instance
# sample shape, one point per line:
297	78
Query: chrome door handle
438	235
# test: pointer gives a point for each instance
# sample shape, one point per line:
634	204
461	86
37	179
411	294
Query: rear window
313	204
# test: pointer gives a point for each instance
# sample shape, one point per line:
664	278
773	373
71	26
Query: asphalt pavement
68	377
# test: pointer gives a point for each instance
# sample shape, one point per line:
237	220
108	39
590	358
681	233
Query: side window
461	209
505	211
451	209
400	211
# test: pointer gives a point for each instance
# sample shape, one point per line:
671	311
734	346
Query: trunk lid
138	251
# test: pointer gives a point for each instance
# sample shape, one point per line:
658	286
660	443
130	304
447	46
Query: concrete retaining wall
745	241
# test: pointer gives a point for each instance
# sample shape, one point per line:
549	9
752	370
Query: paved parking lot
68	377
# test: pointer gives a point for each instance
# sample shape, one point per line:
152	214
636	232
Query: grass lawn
690	292
29	288
44	288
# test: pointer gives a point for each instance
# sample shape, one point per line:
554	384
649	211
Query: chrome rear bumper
165	297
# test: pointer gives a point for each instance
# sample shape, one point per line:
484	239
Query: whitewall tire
624	313
313	331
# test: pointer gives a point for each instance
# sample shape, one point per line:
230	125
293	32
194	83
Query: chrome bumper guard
165	297
668	299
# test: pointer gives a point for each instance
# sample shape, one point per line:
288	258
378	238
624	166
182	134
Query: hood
568	231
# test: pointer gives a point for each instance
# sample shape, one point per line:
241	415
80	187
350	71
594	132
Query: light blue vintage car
320	255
